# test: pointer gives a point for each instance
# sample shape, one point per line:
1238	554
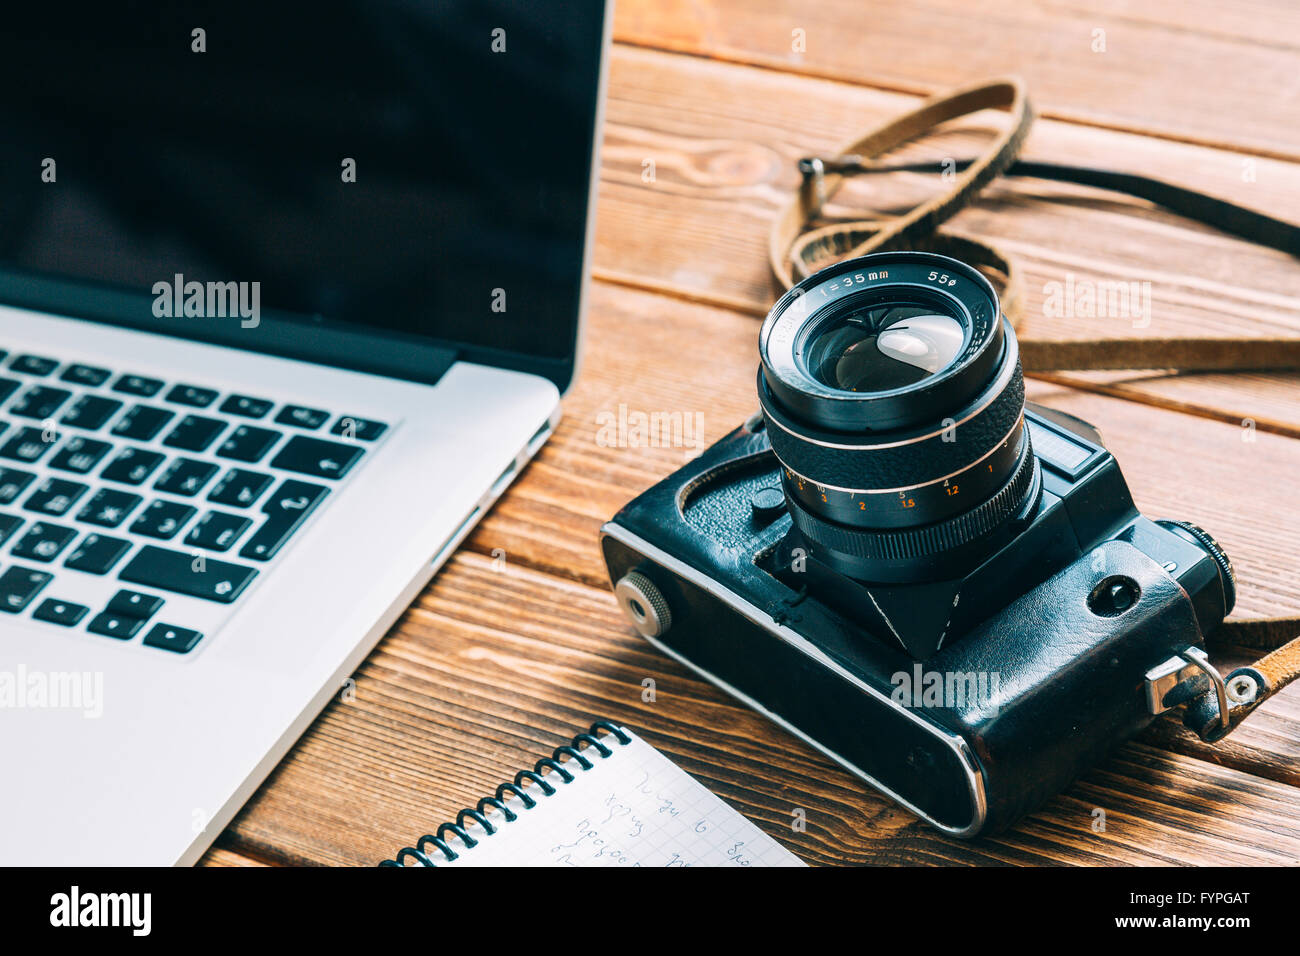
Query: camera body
968	666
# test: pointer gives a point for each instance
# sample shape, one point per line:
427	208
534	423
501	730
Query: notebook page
633	808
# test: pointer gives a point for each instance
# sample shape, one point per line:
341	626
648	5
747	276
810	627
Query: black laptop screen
419	167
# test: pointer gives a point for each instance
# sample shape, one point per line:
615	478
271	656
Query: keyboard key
39	402
7	387
131	466
55	497
80	455
183	573
162	519
185	476
33	365
297	415
18	586
115	625
239	488
142	422
63	613
247	406
90	412
43	542
97	554
191	395
28	444
349	426
137	385
172	638
8	525
317	457
108	508
134	604
87	375
218	530
194	433
13	481
248	443
285	510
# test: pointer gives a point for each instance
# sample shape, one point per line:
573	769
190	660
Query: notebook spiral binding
556	764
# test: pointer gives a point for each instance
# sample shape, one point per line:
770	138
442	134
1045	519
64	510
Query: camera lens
894	399
876	347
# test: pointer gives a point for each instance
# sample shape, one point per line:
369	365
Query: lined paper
632	808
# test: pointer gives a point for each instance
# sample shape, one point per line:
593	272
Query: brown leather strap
1247	687
1253	633
1184	353
798	246
820	183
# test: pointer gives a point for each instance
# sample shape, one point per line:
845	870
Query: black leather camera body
949	593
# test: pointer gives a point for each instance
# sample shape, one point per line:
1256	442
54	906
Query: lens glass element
884	346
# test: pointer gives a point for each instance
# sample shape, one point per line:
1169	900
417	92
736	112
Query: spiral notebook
605	799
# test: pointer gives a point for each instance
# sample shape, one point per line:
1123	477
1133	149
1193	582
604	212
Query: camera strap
802	241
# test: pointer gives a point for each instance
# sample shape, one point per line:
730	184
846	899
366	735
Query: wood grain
220	856
1195	72
699	229
493	668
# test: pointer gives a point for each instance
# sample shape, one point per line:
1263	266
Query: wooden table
518	642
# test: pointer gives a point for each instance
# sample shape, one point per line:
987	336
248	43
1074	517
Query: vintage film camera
946	591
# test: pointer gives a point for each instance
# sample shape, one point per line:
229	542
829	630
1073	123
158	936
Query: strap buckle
812	188
819	166
814	170
1209	712
1175	682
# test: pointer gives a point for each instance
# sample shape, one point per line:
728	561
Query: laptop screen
416	168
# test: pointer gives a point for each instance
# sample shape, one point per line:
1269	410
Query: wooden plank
1188	71
699	229
494	667
222	856
1253	401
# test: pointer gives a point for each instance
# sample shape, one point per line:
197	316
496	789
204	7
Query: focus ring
1220	557
854	462
905	544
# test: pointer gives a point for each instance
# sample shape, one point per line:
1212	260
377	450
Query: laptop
288	297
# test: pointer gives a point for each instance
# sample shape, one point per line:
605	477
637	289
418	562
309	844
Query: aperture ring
855	462
903	544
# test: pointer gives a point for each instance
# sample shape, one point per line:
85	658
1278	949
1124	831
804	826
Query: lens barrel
897	482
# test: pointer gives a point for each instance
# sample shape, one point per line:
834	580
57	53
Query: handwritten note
632	808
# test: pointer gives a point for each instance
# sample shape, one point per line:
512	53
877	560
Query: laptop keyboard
169	489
